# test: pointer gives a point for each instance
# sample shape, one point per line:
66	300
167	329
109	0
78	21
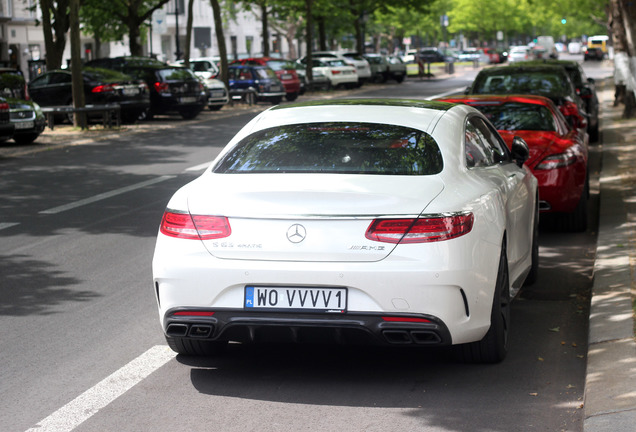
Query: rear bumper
366	329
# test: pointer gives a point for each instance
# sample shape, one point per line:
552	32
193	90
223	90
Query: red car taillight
335	72
194	227
420	230
162	87
4	106
106	88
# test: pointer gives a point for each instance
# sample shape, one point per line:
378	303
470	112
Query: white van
547	42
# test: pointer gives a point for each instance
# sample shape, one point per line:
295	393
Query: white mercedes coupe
387	221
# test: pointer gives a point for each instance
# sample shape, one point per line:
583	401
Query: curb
610	384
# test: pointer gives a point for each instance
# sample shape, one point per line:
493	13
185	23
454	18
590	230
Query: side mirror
520	151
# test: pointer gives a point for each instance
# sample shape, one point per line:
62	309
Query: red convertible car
558	156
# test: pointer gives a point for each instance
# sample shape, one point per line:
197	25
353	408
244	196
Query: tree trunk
186	52
133	38
77	82
309	34
264	21
622	15
220	38
54	31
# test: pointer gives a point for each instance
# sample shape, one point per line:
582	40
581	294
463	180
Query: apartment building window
174	4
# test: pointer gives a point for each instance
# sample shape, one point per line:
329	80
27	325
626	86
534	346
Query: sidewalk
610	387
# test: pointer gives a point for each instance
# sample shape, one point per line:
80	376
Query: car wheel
250	98
189	114
576	221
25	138
399	79
194	347
494	346
291	96
276	100
146	115
534	268
215	107
594	135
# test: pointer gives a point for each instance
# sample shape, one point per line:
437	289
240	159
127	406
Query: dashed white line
450	92
200	167
92	400
8	225
104	195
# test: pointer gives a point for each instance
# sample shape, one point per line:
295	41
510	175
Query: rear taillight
420	230
106	88
195	227
162	87
335	72
557	161
4	106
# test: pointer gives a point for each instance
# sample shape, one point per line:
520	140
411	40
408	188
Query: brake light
420	230
335	72
557	161
4	106
162	87
106	88
194	227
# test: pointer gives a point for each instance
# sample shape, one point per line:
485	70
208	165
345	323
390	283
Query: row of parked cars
553	106
145	87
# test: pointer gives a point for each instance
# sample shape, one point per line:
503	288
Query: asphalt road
81	347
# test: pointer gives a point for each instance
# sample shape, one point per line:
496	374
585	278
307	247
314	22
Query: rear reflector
195	227
406	319
420	230
193	313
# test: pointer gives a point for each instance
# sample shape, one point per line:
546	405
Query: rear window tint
176	74
527	82
354	148
518	116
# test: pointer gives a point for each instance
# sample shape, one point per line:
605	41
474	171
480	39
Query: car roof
413	103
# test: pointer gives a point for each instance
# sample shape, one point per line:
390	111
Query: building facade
22	41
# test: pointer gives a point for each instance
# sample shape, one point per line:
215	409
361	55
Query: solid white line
8	225
91	401
450	92
199	167
104	195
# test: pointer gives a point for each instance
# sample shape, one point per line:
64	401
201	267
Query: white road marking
92	400
8	225
450	92
199	167
104	195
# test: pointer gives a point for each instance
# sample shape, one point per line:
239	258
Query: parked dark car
284	69
593	53
101	86
172	88
255	84
586	88
25	115
542	80
385	67
6	127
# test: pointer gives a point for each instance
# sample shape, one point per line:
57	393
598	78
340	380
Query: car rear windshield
335	147
519	116
525	82
176	74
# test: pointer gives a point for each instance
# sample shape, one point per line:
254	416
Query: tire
399	79
276	100
25	139
534	267
189	114
576	221
194	347
594	135
215	107
494	346
291	96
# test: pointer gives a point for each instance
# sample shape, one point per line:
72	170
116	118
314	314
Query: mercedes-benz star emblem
296	233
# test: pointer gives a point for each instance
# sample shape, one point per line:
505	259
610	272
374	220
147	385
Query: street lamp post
176	18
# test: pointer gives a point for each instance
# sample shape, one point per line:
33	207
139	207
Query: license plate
187	99
130	91
24	125
332	300
286	76
218	93
275	88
